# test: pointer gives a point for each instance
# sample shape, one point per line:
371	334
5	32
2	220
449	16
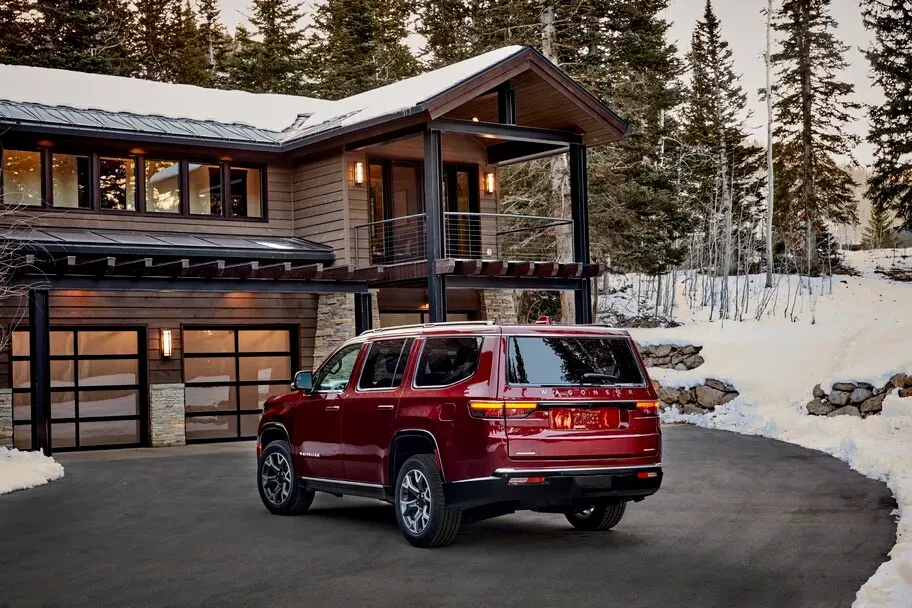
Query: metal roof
74	241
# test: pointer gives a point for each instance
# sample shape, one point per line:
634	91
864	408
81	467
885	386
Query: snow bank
21	470
854	334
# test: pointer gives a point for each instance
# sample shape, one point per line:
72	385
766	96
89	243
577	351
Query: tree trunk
769	148
807	160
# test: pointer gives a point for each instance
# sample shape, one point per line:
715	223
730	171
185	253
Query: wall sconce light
166	343
474	119
489	183
358	173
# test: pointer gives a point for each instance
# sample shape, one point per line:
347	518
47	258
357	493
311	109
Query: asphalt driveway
740	522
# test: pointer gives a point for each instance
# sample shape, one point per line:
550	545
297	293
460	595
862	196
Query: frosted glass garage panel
212	427
208	341
252	397
108	343
209	369
210	399
265	368
264	340
115	402
108	372
113	432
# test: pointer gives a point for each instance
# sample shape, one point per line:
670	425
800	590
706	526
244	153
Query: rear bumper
561	487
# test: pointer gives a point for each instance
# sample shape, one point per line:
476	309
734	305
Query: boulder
728	397
873	405
844	386
687	396
694	361
692	409
866	385
661	350
656	385
681	367
691	349
818	392
670	394
899	380
905	392
839	398
716	384
819	408
849	410
708	396
860	395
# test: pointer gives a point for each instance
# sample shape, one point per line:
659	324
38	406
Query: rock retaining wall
698	399
671	356
858	399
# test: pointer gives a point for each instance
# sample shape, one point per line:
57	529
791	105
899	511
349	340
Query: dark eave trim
507	132
327	256
220	285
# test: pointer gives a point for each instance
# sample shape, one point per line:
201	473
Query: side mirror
303	381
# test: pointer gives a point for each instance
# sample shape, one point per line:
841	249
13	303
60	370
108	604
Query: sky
745	29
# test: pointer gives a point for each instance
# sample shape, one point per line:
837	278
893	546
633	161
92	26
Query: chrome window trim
370	344
424	340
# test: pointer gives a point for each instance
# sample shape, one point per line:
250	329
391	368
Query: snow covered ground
21	470
845	329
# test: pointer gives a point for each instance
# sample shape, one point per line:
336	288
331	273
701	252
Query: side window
447	361
335	373
385	364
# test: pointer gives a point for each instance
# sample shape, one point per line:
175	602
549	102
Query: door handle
332	408
386	408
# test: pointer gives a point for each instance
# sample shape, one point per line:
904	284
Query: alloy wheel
415	501
276	477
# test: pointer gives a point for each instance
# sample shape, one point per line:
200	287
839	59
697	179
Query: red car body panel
354	442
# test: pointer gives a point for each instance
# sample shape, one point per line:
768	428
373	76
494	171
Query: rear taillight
501	409
648	408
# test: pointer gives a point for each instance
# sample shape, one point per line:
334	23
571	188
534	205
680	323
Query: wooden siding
173	310
318	195
278	211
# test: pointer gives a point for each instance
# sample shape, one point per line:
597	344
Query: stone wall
166	404
336	322
499	305
6	417
859	399
698	399
672	356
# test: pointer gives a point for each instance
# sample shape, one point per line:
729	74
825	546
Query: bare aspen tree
770	197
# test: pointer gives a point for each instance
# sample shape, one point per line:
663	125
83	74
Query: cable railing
467	236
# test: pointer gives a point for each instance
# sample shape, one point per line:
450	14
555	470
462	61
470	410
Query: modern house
174	254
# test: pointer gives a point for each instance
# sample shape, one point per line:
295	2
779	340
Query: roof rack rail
425	325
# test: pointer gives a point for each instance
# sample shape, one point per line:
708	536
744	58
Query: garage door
98	389
229	372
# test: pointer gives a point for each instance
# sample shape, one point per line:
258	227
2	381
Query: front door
370	409
318	428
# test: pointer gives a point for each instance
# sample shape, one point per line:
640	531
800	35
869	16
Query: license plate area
572	419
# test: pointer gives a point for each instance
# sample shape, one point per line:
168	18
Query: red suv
456	422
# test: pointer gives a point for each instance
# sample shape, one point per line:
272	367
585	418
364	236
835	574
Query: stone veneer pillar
166	403
336	322
6	417
499	305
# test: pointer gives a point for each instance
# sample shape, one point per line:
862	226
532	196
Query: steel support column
433	205
363	313
40	367
579	206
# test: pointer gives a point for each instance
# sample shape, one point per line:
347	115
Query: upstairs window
20	177
205	189
163	194
117	183
72	182
246	192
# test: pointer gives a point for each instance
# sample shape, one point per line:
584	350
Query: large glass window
571	361
205	189
446	361
163	186
229	372
20	177
385	364
335	374
96	392
246	192
71	177
117	183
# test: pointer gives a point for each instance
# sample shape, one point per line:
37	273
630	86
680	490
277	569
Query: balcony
468	236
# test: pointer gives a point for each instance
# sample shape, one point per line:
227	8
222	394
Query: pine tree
269	58
215	38
156	22
448	28
891	123
812	111
357	45
878	234
188	62
16	32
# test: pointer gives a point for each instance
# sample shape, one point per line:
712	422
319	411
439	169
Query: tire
420	505
600	516
280	490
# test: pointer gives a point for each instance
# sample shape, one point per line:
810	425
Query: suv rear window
385	364
447	360
565	361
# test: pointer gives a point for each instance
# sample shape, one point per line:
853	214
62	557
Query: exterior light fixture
489	183
358	173
166	343
474	119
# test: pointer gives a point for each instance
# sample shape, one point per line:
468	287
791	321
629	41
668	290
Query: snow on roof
118	94
265	111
